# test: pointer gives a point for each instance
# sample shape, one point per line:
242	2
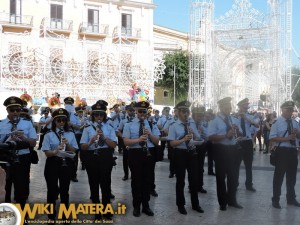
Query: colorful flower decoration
26	97
138	94
54	102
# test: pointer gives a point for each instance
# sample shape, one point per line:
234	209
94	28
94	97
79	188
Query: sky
174	14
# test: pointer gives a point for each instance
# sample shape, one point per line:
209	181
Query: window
126	24
15	11
56	14
166	94
93	21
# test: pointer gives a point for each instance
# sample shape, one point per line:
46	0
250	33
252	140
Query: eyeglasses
15	110
59	120
142	110
99	114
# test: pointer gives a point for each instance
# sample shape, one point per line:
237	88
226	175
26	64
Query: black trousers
227	160
210	158
171	158
98	168
120	144
141	167
201	158
247	157
153	154
19	176
125	160
185	160
286	163
58	180
78	137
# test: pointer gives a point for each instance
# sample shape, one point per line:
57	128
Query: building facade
92	49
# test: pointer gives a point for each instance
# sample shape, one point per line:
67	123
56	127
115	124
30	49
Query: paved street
257	206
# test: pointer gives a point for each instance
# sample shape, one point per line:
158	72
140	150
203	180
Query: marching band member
97	141
247	121
185	157
130	113
75	126
20	167
285	132
170	148
198	119
58	169
45	123
222	132
116	117
140	139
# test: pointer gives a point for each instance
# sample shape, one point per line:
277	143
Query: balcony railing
57	24
101	29
18	20
127	32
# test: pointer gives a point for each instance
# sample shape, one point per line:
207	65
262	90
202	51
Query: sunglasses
185	111
142	110
61	120
99	114
15	110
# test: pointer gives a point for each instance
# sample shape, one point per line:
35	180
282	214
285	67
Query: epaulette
87	125
111	125
129	121
154	123
26	119
75	114
108	118
169	118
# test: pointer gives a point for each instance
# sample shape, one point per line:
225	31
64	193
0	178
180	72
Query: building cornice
127	3
170	32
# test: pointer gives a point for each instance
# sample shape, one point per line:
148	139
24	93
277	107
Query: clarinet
61	132
145	147
191	147
15	155
98	129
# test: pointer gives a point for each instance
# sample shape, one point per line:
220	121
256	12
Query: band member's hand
94	138
188	137
64	141
230	133
291	137
146	132
143	138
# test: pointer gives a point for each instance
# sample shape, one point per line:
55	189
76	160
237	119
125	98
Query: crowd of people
92	136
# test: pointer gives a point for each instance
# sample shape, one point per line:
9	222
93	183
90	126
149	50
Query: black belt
287	148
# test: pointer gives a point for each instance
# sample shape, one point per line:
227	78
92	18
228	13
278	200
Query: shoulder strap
282	136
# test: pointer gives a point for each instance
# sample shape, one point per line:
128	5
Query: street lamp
174	76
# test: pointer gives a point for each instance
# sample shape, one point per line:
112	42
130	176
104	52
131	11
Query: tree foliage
295	78
180	59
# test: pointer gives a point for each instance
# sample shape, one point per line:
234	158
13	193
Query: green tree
180	59
296	85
